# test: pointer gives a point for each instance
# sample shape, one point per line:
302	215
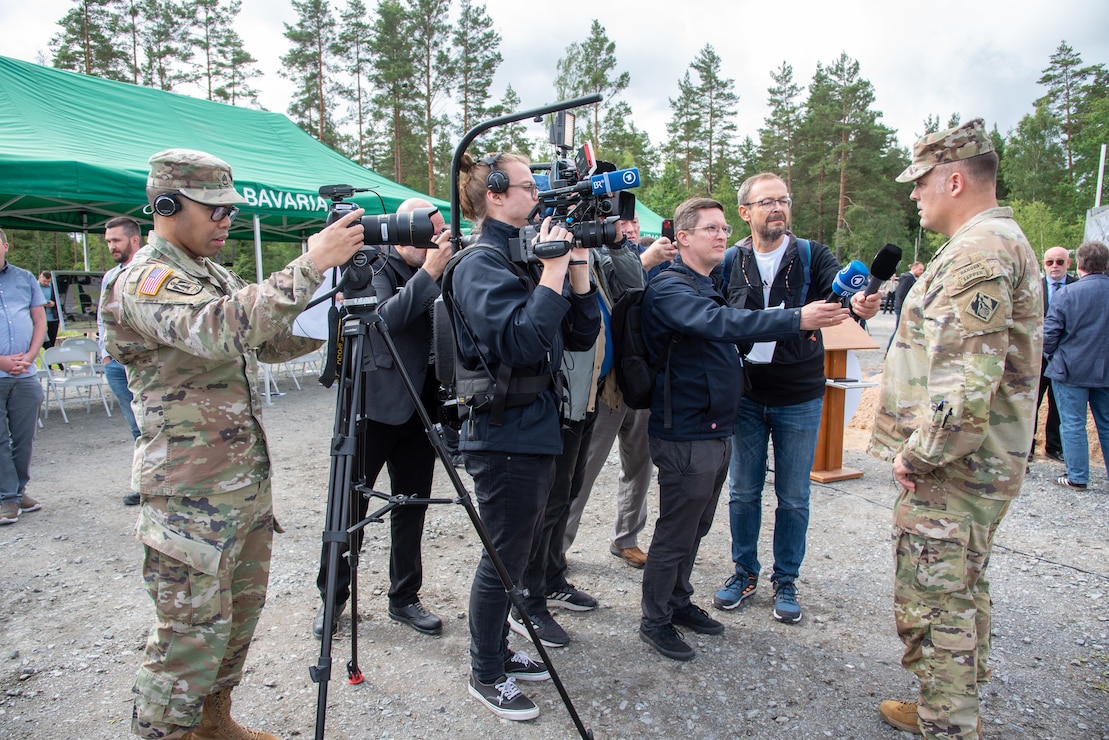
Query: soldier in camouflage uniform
955	418
191	334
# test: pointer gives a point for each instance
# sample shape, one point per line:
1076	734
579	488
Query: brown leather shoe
633	556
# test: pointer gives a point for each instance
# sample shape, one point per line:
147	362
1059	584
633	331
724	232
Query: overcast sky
975	59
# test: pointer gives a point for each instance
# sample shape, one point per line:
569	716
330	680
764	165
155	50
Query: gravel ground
74	614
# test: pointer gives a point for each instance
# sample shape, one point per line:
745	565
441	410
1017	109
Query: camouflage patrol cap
196	175
962	142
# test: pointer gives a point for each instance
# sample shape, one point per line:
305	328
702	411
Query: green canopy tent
650	223
74	151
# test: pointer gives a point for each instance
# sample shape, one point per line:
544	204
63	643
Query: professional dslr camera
584	195
413	228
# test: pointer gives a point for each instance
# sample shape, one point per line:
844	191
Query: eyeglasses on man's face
713	229
1049	263
767	203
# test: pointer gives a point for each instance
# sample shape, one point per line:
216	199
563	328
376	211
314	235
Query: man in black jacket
406	287
693	410
773	269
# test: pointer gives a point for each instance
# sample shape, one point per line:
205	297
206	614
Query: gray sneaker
548	630
786	608
503	699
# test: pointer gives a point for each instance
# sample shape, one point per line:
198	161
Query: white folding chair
75	375
90	347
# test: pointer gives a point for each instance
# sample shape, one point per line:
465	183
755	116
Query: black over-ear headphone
496	181
166	204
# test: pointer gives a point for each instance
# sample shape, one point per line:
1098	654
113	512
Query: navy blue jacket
526	328
706	372
1075	330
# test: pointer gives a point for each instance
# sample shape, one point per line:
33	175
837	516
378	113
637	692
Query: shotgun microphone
849	281
883	267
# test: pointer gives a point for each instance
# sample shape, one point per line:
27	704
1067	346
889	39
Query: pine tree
590	67
625	145
510	138
164	31
223	65
477	58
87	41
1034	166
310	64
1066	81
718	103
353	53
392	71
434	71
777	139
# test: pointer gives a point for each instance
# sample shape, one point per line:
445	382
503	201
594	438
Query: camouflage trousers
207	565
943	536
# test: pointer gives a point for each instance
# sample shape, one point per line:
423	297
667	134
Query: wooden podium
828	463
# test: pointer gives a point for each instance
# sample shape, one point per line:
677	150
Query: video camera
413	229
584	195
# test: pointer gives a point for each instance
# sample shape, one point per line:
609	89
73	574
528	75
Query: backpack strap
804	249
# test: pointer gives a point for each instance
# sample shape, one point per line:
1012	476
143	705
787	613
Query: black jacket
527	328
796	373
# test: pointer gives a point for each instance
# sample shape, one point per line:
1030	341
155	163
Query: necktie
1054	290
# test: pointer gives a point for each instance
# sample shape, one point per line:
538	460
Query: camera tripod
342	507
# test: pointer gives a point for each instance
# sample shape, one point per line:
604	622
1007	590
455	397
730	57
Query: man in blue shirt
22	330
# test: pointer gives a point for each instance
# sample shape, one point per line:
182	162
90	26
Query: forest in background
394	88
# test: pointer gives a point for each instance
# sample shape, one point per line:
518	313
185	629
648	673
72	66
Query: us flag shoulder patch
152	283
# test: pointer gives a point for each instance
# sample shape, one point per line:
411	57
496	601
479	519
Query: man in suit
1056	275
406	286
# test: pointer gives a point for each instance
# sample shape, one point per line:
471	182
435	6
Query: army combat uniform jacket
959	388
191	334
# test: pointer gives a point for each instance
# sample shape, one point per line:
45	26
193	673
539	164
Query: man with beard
773	269
124	237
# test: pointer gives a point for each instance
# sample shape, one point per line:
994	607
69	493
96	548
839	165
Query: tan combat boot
216	722
903	716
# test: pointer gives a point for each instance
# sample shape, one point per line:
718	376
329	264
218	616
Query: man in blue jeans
773	269
124	238
1074	340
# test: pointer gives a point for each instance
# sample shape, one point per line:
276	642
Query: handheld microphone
849	281
883	267
610	182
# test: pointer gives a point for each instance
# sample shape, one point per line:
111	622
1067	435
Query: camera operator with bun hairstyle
519	318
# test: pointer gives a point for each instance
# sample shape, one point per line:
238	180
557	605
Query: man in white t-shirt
773	269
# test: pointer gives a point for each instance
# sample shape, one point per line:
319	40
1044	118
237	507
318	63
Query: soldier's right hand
337	243
821	314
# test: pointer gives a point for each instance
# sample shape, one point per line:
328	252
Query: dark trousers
690	476
1053	438
546	569
511	492
411	461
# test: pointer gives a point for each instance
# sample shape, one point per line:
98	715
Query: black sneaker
132	499
503	699
521	667
667	641
571	598
786	608
697	619
549	631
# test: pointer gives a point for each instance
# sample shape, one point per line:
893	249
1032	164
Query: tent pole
266	377
85	238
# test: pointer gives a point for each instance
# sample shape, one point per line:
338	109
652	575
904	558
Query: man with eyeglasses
1056	275
191	334
774	270
691	335
957	398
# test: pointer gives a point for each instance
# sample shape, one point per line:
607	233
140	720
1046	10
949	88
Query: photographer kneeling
516	320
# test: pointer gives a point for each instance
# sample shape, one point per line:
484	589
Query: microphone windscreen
851	279
885	262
